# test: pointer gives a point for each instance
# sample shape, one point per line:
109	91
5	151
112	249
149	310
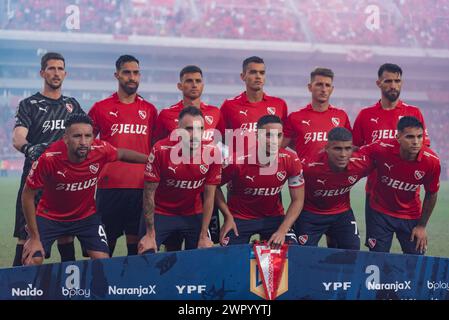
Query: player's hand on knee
147	243
30	249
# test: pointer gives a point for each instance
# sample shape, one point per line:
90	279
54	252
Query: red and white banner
271	265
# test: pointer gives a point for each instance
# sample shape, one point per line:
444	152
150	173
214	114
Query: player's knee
97	254
35	261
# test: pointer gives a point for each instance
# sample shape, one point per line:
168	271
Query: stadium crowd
406	23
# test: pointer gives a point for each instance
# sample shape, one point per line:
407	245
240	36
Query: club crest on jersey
151	157
94	168
143	114
372	242
419	174
209	119
352	179
204	168
271	110
303	239
69	107
335	121
281	175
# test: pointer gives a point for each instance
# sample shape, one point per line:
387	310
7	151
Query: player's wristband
25	148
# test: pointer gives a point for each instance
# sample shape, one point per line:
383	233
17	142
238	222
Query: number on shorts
102	234
356	232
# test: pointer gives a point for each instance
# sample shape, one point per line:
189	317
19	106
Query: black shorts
20	222
183	227
120	211
89	231
380	228
265	227
176	240
341	227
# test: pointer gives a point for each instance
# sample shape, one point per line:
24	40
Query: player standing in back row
243	111
39	122
125	120
191	84
306	129
379	122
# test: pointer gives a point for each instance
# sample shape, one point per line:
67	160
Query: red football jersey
180	185
375	123
309	128
328	192
168	121
253	195
128	126
69	188
240	113
396	190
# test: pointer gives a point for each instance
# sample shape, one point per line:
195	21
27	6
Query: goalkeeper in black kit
39	122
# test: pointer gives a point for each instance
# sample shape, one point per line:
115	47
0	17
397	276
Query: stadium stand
331	21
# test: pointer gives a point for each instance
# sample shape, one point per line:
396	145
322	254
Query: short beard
392	98
54	87
129	91
81	157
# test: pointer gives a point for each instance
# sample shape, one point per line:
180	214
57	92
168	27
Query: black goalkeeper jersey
44	117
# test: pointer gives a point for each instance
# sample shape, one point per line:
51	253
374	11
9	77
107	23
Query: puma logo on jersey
61	173
321	181
374	120
244	112
43	109
306	122
250	178
388	166
172	169
115	114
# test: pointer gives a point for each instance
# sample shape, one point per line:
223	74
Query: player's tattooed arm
148	204
148	242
